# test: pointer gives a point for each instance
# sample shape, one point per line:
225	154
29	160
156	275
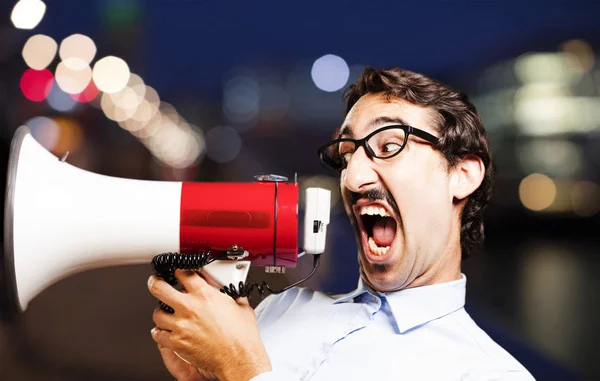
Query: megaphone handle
166	264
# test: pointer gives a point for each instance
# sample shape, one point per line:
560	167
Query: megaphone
60	220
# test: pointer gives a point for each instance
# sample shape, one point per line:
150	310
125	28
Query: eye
390	147
345	151
346	157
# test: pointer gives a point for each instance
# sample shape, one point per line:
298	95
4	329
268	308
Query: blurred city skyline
207	91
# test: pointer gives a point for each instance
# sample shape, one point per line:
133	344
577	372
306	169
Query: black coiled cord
166	264
244	290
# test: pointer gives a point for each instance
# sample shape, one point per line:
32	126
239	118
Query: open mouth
378	228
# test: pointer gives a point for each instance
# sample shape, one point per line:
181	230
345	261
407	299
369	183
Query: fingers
164	320
191	281
167	354
165	292
162	337
170	356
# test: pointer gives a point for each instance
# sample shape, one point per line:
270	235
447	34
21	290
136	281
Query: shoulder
296	298
495	363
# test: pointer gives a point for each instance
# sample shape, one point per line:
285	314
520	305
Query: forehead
375	110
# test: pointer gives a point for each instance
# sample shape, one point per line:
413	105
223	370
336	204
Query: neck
446	268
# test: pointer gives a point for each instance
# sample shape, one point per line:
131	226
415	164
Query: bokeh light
241	97
142	116
537	192
148	129
580	53
544	68
543	109
113	111
168	111
39	51
177	145
111	74
78	46
132	95
223	144
555	157
36	84
152	96
44	130
145	113
330	73
27	14
88	94
60	101
541	263
70	137
73	75
58	135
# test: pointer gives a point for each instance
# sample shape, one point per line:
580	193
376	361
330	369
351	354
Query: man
415	175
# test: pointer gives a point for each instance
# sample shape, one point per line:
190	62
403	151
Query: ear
467	175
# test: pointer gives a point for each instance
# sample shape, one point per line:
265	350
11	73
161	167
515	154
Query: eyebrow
346	130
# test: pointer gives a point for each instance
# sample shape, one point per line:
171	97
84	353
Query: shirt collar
412	307
360	289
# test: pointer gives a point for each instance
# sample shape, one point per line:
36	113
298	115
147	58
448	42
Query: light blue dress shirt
421	333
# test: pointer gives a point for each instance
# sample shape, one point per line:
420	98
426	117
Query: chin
383	277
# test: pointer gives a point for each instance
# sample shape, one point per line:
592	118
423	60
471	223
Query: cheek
423	198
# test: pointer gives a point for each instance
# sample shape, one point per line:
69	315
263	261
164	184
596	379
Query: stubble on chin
380	267
369	272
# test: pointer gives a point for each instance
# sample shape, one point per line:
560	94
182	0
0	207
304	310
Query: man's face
414	190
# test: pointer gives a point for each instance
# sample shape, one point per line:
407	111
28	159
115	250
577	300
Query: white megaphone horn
60	220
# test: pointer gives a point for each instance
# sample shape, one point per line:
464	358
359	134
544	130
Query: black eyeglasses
383	143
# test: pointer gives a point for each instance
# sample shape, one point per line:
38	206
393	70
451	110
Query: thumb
243	302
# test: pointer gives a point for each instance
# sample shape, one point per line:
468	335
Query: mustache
375	194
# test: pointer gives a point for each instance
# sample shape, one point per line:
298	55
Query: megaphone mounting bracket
236	252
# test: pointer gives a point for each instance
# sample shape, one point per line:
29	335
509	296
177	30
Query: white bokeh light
111	74
27	14
330	73
79	46
73	75
132	95
114	111
39	51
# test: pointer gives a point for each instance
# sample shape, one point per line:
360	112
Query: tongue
384	231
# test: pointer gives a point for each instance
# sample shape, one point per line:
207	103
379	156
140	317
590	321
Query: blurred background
199	90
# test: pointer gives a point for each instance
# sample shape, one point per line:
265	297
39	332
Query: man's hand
181	370
209	329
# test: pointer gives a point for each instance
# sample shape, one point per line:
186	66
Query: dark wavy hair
460	128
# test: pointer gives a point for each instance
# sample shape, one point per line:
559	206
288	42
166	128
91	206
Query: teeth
376	249
373	210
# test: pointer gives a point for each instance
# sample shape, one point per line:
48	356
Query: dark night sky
189	45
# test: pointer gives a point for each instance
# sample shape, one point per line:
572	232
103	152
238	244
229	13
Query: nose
359	175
